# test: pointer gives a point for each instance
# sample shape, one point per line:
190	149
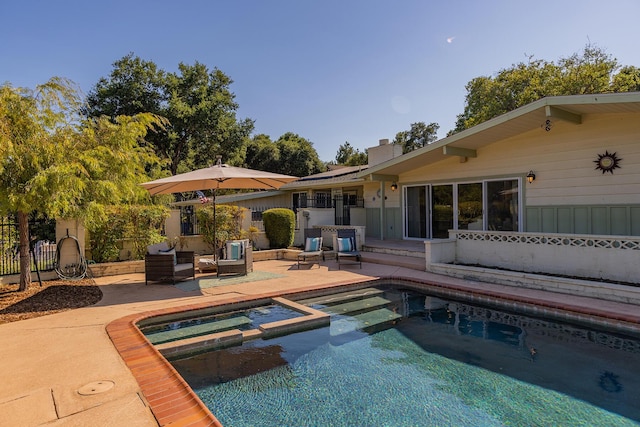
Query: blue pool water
443	363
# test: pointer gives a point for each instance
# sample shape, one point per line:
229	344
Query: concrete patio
63	369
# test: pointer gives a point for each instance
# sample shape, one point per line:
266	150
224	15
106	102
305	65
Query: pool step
341	297
357	306
197	330
363	322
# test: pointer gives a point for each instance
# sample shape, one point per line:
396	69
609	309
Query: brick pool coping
174	403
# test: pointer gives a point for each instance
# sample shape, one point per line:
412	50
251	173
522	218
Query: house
329	199
551	187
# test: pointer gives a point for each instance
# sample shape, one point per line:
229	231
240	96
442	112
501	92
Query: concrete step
184	332
341	297
405	261
357	306
363	322
409	251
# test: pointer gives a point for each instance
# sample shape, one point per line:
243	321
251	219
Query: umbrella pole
215	227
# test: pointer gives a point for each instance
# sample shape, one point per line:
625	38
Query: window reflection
502	205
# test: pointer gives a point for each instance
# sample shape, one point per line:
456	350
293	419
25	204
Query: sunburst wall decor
607	162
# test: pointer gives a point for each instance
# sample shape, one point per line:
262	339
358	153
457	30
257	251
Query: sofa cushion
182	267
170	252
155	249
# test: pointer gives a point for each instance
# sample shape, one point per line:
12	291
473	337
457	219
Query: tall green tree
419	135
590	71
197	102
349	156
297	156
262	154
291	154
55	163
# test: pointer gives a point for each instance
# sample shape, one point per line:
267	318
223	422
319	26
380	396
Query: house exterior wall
568	195
562	159
277	201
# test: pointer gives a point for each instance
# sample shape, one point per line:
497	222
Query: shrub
228	224
279	226
142	224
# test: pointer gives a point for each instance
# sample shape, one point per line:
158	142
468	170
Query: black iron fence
43	246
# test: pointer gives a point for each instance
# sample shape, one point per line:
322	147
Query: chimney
383	152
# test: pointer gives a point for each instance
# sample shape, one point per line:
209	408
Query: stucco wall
586	256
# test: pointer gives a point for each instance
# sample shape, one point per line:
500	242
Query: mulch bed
53	296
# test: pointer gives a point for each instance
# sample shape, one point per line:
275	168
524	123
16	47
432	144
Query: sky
331	71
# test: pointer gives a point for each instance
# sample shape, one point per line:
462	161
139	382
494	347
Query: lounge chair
346	248
164	264
312	246
236	256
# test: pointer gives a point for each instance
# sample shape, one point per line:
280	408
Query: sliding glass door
430	211
441	211
415	211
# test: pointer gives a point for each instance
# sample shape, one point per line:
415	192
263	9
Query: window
470	206
416	212
430	211
323	200
299	200
442	210
502	205
188	221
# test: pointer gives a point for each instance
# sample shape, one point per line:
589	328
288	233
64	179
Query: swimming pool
395	356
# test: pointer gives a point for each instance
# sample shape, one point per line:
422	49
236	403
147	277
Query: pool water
441	363
243	320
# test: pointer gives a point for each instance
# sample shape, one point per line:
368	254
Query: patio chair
236	257
346	248
164	264
312	246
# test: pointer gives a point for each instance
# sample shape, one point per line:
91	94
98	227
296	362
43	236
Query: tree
57	164
627	80
290	155
297	156
420	135
262	154
591	71
198	104
350	156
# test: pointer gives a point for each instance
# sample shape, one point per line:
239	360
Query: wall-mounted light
531	177
394	186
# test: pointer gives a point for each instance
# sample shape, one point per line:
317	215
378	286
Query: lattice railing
584	241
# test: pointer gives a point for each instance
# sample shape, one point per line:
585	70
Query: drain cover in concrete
96	387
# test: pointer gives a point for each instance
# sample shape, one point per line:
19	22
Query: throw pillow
313	244
345	244
234	250
171	252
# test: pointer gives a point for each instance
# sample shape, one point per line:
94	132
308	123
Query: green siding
634	220
393	228
619	220
549	224
565	220
373	222
581	220
599	220
605	220
532	217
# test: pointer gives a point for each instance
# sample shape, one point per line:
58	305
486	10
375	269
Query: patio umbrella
216	177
